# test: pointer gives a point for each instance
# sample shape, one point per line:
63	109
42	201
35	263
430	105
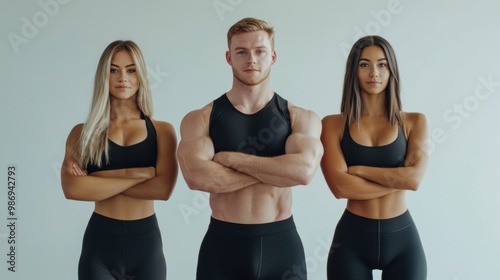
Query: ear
228	57
274	56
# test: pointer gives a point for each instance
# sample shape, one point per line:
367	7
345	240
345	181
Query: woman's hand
77	171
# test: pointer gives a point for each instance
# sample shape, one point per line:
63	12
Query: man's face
251	56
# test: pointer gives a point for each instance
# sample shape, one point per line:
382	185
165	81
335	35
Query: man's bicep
195	138
306	132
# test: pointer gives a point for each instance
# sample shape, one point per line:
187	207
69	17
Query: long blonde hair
94	136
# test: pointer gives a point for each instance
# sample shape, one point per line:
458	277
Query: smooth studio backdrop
449	63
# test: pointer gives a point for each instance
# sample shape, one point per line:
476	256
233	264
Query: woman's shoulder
413	117
333	127
414	120
76	131
336	120
74	136
163	127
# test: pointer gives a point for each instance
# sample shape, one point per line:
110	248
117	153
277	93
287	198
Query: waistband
377	225
228	228
122	227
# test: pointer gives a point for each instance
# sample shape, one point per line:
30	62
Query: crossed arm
230	171
143	183
365	182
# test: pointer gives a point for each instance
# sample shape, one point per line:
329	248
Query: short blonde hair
248	25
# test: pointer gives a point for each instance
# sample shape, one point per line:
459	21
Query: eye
113	70
363	65
382	65
241	52
131	71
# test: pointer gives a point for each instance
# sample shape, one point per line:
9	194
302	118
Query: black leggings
118	250
361	245
232	251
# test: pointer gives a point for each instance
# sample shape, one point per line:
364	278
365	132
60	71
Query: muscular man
247	149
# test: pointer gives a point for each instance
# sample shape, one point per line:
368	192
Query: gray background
449	62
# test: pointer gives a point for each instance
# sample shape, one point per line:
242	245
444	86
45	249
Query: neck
373	105
123	109
250	99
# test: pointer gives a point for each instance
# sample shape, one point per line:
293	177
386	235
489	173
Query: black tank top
263	133
390	155
142	154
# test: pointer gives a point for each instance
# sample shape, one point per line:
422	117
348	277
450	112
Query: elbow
165	195
169	183
197	182
309	171
338	193
413	182
204	186
193	183
414	185
305	178
70	194
306	175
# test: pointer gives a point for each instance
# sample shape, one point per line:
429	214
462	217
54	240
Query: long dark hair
351	105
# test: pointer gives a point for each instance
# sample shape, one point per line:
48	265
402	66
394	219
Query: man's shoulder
301	111
197	115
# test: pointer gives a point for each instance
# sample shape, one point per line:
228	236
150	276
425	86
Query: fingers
77	171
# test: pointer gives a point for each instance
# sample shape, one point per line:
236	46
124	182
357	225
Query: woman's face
373	70
123	79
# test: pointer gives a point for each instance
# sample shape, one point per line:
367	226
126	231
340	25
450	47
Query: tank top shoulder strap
347	134
149	126
282	105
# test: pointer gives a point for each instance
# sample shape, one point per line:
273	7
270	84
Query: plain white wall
448	56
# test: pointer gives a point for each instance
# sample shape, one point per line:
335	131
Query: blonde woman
122	160
374	154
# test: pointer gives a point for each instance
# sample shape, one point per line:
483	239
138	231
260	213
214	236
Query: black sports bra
142	154
390	155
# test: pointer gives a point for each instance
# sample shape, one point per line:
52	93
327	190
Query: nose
122	77
251	58
374	72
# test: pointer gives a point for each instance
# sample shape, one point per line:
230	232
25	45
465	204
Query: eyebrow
125	66
380	59
243	48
